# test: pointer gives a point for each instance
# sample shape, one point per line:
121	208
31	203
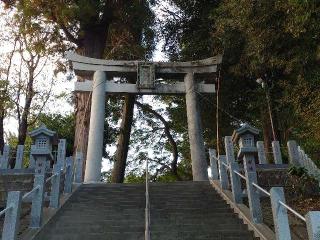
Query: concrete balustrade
298	157
253	194
233	167
12	216
5	157
19	157
15	198
276	194
68	175
277	157
250	148
213	164
279	212
55	187
41	156
261	153
293	152
78	178
313	225
223	172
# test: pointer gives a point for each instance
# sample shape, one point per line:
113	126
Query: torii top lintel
162	69
146	73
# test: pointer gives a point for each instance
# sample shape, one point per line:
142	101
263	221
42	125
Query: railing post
309	166
301	156
38	196
55	187
304	159
235	179
12	216
79	168
213	164
61	155
69	175
276	152
313	225
147	209
314	168
19	157
32	161
279	212
5	157
223	172
293	153
253	194
261	153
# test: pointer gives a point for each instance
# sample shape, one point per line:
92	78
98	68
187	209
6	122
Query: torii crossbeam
149	77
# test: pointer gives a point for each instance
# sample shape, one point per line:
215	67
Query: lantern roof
42	130
244	129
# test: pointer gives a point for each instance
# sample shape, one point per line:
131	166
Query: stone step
179	211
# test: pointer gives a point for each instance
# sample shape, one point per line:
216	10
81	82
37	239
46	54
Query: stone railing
297	157
226	174
306	162
65	170
21	154
147	208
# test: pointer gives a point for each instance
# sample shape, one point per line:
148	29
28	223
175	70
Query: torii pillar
146	73
197	149
96	130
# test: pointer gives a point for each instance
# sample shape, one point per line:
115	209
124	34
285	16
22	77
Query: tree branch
173	144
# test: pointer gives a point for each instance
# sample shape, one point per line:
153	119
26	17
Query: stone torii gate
147	74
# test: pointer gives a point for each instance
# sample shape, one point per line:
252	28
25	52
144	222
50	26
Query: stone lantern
41	150
246	138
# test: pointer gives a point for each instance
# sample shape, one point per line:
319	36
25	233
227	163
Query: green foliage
127	25
300	183
12	140
298	171
272	39
275	40
279	42
133	178
106	177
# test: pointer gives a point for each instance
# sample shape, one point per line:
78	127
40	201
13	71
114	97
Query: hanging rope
217	111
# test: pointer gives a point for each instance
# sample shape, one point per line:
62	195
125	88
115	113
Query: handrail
293	211
240	175
226	165
265	192
147	209
261	189
36	194
29	193
55	175
52	176
5	210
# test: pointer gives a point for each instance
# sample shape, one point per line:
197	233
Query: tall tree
95	30
25	85
279	44
275	40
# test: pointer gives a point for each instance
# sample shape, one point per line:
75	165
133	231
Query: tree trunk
23	128
92	45
1	133
119	167
23	123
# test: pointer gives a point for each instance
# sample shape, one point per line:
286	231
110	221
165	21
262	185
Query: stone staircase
179	211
